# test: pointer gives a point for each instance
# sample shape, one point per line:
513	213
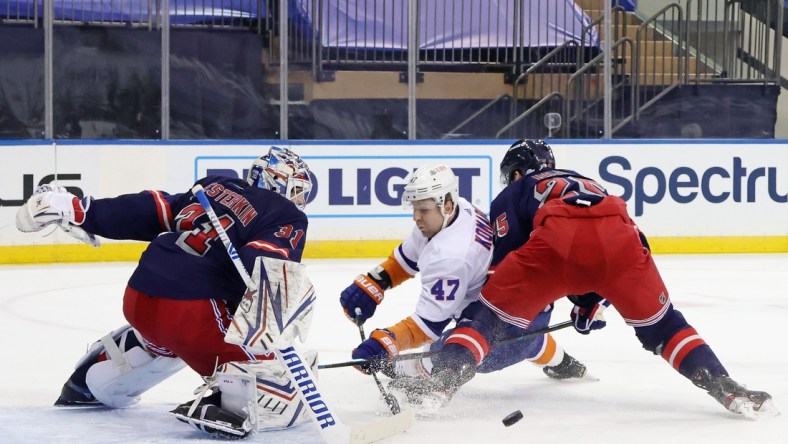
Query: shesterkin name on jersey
236	203
484	232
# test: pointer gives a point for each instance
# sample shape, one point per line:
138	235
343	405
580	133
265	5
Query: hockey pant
192	330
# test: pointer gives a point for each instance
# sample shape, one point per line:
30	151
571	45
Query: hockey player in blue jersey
180	299
557	233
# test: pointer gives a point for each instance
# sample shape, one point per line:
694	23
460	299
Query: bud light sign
367	186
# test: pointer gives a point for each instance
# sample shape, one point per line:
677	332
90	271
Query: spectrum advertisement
673	189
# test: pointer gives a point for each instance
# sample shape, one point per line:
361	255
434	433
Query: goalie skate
209	417
73	395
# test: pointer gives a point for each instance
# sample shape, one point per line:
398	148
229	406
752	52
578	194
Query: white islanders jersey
453	265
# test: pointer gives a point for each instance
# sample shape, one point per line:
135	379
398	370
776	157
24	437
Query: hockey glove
378	348
52	204
587	312
361	298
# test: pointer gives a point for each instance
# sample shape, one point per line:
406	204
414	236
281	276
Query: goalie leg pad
263	391
127	373
277	307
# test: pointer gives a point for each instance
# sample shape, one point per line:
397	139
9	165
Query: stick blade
382	428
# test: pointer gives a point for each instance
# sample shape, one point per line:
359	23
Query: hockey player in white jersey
451	246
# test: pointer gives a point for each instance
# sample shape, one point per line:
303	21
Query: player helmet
526	156
433	181
282	171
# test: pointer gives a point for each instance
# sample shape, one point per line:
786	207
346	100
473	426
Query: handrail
528	112
474	115
595	22
591	64
539	63
639	39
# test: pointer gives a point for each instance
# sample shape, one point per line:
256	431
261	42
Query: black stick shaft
428	354
389	399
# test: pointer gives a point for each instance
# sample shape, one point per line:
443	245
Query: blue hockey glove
380	345
587	312
361	298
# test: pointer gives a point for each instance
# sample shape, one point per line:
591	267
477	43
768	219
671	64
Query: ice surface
49	314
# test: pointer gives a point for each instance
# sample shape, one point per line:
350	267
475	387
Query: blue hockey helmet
284	172
525	156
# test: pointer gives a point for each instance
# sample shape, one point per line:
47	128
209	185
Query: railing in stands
583	115
659	57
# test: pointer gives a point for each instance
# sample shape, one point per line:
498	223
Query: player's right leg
642	299
115	371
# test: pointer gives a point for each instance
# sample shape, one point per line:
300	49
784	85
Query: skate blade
589	377
766	411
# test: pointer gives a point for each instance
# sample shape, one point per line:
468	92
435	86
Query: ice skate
74	395
734	396
434	391
568	368
209	417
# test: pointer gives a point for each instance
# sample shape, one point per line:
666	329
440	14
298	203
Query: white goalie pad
263	392
275	309
118	381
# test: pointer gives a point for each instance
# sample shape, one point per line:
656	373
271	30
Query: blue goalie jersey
185	258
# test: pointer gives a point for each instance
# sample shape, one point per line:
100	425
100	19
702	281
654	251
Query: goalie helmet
282	171
434	181
526	156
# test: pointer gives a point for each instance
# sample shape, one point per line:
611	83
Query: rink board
699	197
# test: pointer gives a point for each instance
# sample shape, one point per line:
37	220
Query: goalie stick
331	428
429	354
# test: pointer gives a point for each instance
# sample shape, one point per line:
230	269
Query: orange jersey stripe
397	274
408	334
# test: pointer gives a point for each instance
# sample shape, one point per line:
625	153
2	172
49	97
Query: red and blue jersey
185	259
513	210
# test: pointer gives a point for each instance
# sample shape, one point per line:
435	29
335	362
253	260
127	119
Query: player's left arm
141	216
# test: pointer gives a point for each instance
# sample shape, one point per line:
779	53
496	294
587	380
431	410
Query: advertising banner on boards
673	189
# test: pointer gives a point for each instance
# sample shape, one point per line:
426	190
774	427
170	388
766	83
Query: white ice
49	314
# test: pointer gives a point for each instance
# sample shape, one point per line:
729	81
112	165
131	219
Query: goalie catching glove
587	312
51	204
378	348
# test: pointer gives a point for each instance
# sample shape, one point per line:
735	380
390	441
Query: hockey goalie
240	397
181	299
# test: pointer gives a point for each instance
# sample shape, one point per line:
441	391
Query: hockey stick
429	354
331	428
391	401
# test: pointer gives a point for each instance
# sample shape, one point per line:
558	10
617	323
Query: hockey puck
512	418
